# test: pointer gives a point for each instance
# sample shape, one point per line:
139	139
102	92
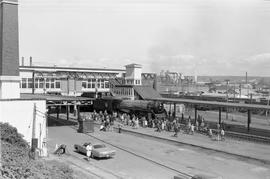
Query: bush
16	163
10	135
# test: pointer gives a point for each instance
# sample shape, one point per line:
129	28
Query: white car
98	150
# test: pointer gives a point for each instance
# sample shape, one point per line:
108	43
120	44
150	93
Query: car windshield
99	146
87	143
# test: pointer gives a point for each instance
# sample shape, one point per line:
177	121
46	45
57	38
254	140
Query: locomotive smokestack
246	78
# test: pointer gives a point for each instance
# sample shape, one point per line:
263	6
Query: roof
54	97
133	65
212	103
147	92
67	68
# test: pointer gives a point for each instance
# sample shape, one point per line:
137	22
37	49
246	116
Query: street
127	165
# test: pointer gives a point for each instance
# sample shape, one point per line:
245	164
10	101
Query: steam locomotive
139	107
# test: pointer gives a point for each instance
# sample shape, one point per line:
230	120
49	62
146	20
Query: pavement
126	165
244	149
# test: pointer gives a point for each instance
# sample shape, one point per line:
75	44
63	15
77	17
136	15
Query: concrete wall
20	113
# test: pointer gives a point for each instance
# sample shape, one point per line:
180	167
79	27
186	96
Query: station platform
242	149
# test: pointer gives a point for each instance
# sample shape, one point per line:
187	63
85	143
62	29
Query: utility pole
227	97
234	92
268	102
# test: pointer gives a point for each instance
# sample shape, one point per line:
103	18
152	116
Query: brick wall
9	43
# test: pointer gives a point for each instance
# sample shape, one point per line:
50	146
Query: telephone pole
227	97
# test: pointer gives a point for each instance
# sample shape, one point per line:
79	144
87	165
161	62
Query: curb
174	142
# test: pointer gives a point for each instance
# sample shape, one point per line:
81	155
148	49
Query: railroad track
243	136
186	175
93	173
248	137
182	174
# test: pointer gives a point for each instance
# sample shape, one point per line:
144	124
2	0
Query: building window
107	84
52	83
24	81
41	83
89	83
47	83
102	83
36	83
84	84
57	84
93	83
98	83
30	83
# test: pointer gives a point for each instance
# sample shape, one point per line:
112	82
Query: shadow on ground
53	121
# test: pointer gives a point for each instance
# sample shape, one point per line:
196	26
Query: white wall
19	113
9	87
134	73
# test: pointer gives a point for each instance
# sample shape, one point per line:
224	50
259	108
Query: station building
128	83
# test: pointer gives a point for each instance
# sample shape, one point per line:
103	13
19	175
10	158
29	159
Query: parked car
98	150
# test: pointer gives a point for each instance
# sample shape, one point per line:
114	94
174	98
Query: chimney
22	61
155	82
30	61
246	78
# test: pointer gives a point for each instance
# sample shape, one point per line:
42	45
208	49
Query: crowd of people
170	124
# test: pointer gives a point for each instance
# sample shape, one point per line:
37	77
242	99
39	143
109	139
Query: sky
193	37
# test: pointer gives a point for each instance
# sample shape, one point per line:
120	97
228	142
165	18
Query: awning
146	92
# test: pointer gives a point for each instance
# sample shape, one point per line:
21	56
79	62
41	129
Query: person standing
192	129
176	129
88	151
222	133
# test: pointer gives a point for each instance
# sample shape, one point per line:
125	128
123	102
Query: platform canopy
57	99
212	103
